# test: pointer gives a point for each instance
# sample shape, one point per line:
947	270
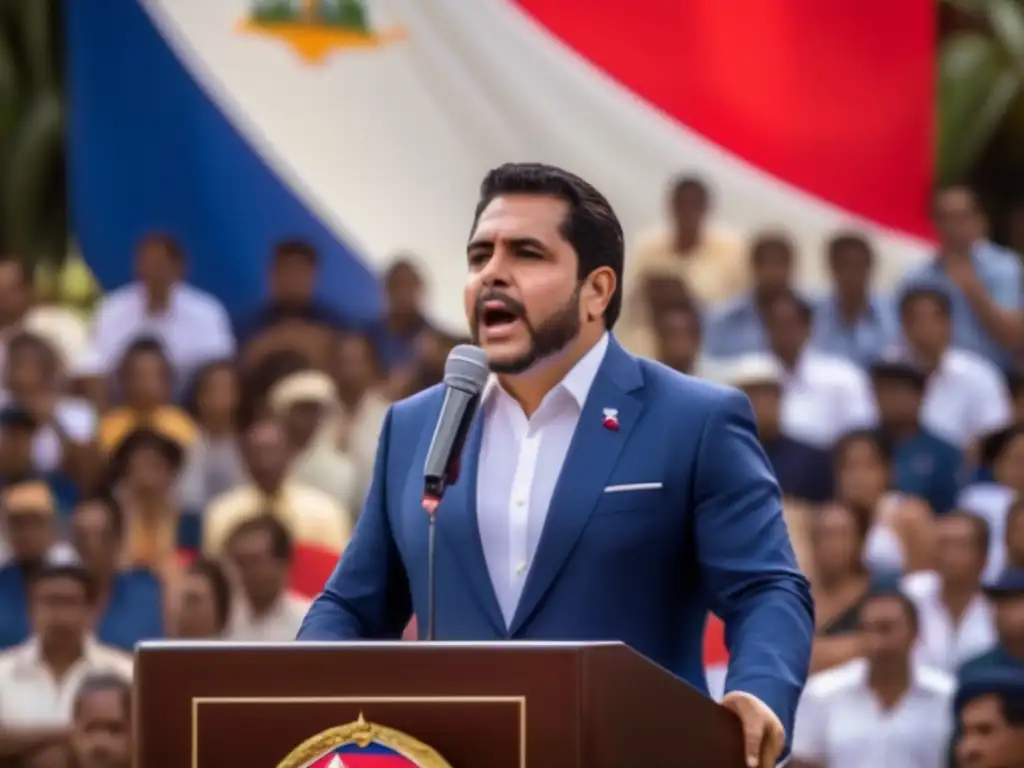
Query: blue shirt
269	315
802	471
1000	272
928	467
735	329
134	609
865	340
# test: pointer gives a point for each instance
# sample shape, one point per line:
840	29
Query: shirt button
521	568
520	501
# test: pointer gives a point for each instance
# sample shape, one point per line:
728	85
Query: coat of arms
362	745
315	28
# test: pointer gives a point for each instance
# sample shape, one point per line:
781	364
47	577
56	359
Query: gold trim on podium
421	754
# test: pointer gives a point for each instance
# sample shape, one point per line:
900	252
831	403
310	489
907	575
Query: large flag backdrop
185	115
371	136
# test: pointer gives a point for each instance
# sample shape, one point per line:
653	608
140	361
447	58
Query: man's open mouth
496	314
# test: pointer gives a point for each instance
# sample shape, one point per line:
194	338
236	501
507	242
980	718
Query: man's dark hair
111	507
683	307
982	531
281	544
925	293
400	264
847	242
105	682
686	183
66	571
295	248
875	437
212	571
891	592
146	345
591	227
802	306
170	244
31	342
766	242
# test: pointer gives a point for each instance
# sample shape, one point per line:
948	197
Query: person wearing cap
1007	596
923	464
990	712
28	517
305	404
1002	454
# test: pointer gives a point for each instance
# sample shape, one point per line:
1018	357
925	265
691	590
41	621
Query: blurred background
232	233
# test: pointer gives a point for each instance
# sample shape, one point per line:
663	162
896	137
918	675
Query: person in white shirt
102	732
260	552
191	325
966	396
881	710
957	622
823	397
40	678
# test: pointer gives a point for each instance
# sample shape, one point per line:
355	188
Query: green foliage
33	169
349	14
275	11
981	84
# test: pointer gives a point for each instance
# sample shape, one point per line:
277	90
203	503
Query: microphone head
466	369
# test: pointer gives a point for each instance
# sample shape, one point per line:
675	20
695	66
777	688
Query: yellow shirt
312	517
168	420
151	541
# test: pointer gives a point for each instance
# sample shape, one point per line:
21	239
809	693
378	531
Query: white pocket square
632	487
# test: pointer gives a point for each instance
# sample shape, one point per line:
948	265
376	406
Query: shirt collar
577	382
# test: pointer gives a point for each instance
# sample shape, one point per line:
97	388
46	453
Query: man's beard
551	336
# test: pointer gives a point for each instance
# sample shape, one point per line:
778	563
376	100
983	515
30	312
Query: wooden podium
493	705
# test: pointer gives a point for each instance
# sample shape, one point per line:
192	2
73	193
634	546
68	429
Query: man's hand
763	734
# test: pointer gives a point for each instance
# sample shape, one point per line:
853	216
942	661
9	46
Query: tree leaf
976	87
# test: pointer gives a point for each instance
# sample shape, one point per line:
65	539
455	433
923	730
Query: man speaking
601	497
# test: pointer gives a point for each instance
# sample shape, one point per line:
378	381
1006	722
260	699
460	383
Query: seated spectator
214	463
38	679
1015	536
144	472
101	731
840	584
657	292
851	322
1003	454
190	325
966	395
882	708
900	537
64	440
425	368
304	403
362	408
129	601
1007	597
318	524
678	332
1015	386
293	318
990	712
18	430
737	328
923	465
983	280
147	388
957	621
396	337
261	552
823	397
803	471
204	608
707	258
29	527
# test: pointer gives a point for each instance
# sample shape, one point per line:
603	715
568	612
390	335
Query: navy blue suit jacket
642	566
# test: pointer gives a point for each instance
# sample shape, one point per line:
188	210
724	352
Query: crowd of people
172	472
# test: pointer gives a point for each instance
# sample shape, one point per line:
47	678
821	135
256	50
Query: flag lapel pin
610	419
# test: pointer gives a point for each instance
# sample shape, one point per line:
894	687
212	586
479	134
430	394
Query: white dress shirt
194	330
75	416
991	502
520	462
30	697
841	724
966	397
280	624
824	397
942	643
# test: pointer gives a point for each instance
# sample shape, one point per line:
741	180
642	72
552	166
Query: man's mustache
509	304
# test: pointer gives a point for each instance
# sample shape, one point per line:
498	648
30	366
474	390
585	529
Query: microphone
465	373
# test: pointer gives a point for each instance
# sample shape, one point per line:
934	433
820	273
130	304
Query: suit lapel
592	456
457	523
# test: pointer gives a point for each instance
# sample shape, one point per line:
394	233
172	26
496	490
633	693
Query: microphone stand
431	576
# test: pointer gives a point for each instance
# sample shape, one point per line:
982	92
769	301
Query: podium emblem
362	744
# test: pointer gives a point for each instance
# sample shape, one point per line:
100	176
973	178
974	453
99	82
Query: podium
479	705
